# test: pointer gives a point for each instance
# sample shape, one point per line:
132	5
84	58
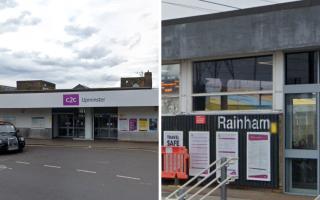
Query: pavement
108	144
73	171
244	194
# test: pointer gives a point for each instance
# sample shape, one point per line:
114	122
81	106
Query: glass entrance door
65	125
106	126
69	124
301	143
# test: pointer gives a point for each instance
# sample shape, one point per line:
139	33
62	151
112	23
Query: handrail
228	161
218	186
191	180
202	180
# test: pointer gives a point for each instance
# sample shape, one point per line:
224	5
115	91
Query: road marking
128	177
22	162
52	166
86	171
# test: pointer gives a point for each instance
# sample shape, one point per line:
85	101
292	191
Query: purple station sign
71	99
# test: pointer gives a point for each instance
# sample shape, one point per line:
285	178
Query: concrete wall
22	119
138	112
249	31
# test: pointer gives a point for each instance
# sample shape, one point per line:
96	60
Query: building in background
41	111
251	75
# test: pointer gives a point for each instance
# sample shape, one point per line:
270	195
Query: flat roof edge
242	12
71	90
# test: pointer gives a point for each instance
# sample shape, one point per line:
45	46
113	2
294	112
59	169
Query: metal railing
181	193
317	198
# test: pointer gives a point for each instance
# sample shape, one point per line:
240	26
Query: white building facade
118	114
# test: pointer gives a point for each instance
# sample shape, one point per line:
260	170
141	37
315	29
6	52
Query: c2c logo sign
71	99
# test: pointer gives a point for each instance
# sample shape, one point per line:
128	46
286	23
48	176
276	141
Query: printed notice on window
227	146
173	138
199	150
258	156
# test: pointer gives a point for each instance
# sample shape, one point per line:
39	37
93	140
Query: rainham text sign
242	122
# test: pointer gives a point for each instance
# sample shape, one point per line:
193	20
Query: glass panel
233	102
304	173
170	76
170	105
301	68
301	121
105	125
232	75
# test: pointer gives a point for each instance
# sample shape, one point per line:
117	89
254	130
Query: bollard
223	194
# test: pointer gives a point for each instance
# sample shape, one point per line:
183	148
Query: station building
251	75
39	110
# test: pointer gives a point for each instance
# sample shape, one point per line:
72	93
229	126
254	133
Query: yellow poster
143	124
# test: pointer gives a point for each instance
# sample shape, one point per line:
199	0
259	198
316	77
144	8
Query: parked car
9	138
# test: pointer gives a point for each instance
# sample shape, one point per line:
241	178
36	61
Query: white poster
123	124
173	138
199	150
227	146
258	156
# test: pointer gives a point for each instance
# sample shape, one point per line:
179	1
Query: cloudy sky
92	42
172	9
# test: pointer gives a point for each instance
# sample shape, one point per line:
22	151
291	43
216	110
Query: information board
258	156
227	146
199	150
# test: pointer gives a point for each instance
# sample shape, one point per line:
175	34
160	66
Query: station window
301	68
170	81
233	102
233	84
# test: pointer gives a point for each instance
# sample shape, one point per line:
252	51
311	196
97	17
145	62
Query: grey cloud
95	52
82	32
113	61
13	24
70	43
135	40
4	50
131	41
109	78
7	4
76	62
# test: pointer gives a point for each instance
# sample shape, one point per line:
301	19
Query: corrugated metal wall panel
186	123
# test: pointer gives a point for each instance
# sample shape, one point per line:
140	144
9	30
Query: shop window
301	68
233	75
170	81
301	121
9	118
37	122
232	102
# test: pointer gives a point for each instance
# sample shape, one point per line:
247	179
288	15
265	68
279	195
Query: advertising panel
133	125
123	124
143	124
